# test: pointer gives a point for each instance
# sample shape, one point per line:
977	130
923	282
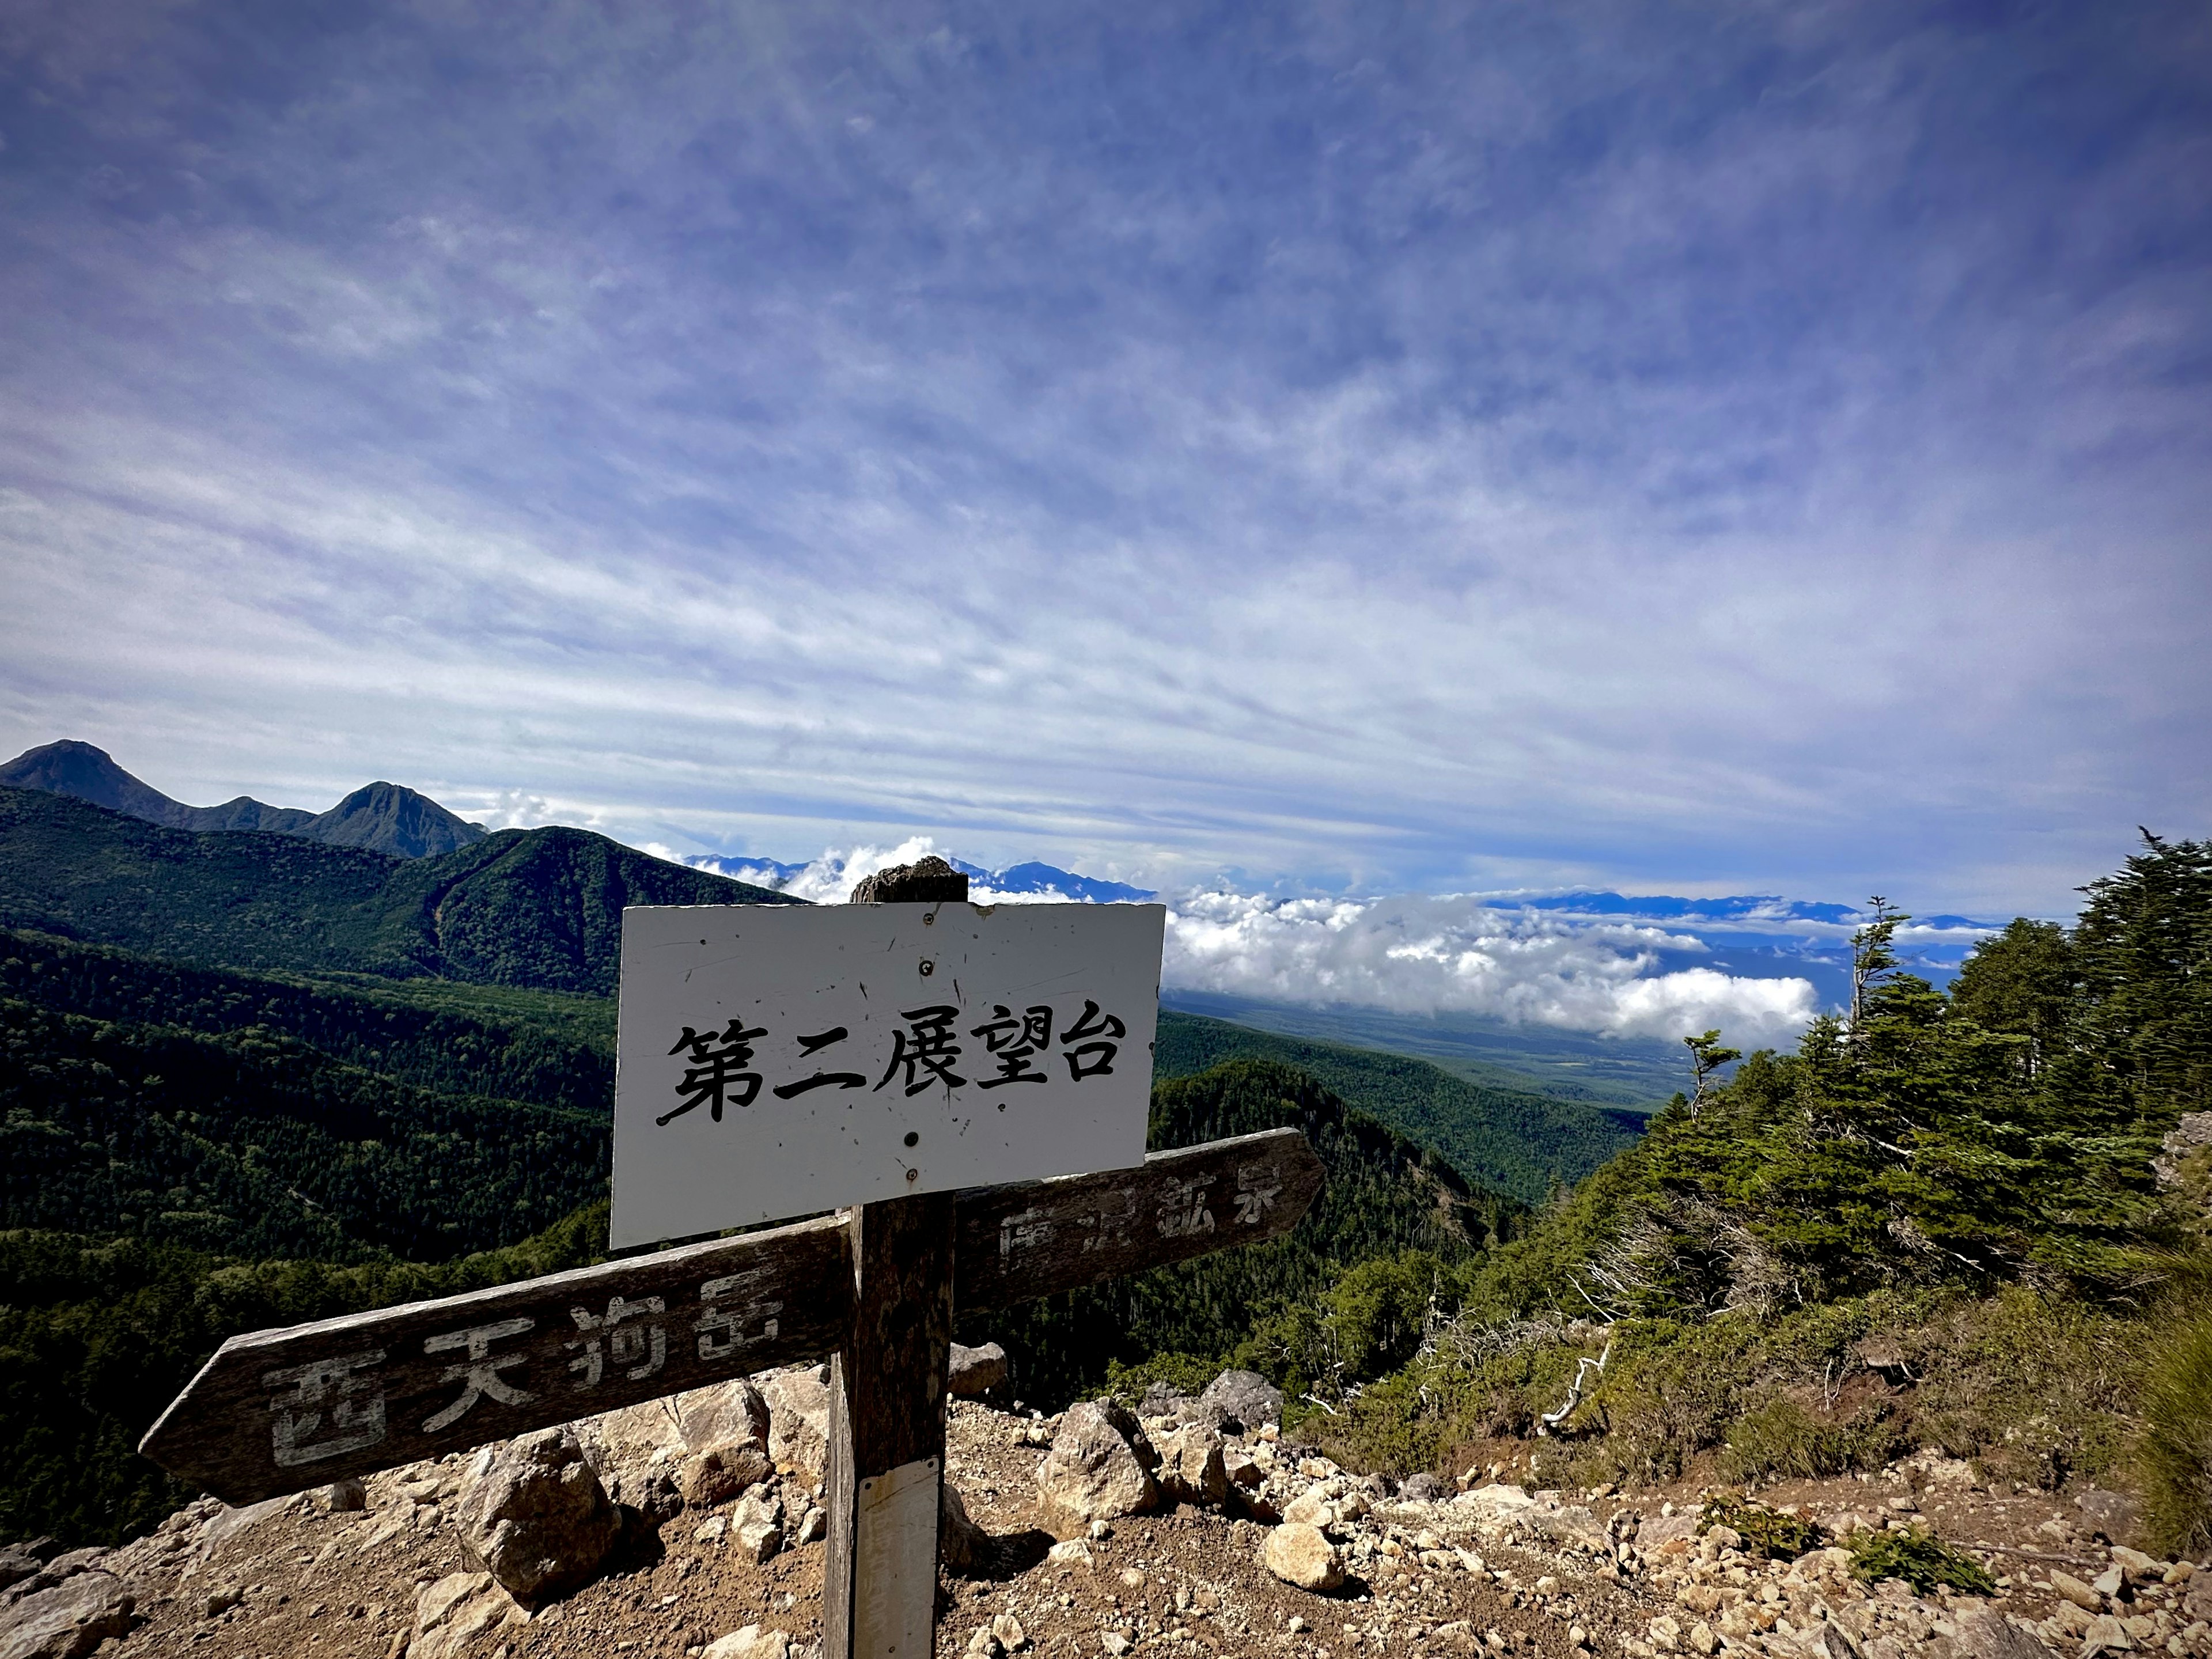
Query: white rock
798	1417
1192	1469
1301	1555
1100	1469
749	1642
757	1525
66	1620
1983	1634
534	1517
451	1614
974	1372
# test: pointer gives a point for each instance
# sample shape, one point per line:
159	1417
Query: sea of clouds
1417	954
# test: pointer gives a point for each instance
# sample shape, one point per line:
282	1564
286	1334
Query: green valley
1516	1140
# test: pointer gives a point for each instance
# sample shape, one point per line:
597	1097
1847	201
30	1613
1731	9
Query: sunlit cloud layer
1452	955
1455	955
1722	450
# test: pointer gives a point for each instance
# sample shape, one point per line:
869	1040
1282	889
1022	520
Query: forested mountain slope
1385	1194
537	1046
98	1335
1979	1219
261	1119
539	908
1519	1143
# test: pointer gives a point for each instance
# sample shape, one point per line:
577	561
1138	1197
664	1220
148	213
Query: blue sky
1714	449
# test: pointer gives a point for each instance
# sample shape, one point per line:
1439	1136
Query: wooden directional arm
1040	1237
279	1410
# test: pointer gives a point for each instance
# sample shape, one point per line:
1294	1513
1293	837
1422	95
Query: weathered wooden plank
278	1411
1039	1238
887	1399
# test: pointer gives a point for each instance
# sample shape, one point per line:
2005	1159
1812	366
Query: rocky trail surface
692	1527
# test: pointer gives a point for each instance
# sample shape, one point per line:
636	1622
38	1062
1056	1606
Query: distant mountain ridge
536	909
1042	879
380	818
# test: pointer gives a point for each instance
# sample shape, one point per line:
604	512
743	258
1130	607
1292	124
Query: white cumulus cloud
1414	954
1454	954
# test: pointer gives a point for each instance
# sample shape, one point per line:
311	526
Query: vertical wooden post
887	1403
887	1394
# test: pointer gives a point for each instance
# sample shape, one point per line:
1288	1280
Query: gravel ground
1494	1569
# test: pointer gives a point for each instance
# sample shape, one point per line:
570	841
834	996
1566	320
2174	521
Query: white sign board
772	1061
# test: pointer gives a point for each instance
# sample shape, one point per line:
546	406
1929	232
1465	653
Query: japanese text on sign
776	1061
334	1406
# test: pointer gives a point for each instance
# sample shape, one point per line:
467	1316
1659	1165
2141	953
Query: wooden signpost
873	1289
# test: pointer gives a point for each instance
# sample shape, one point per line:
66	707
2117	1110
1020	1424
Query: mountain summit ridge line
378	817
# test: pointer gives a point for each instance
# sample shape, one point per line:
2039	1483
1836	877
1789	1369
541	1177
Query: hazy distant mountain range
382	817
1042	879
1762	935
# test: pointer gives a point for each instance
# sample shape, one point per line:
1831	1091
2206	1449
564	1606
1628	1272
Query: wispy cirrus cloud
1748	448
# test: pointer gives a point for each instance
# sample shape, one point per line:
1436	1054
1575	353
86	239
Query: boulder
1099	1468
2140	1567
798	1418
702	1448
230	1525
632	1440
757	1526
1163	1399
715	1477
2069	1587
1240	1401
652	1491
451	1614
1984	1634
963	1549
1422	1488
1191	1468
731	1413
2197	1599
343	1498
533	1514
974	1372
1301	1555
2114	1513
2105	1634
1241	1467
68	1619
1495	1507
750	1643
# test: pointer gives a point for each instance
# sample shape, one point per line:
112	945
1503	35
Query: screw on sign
951	1199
